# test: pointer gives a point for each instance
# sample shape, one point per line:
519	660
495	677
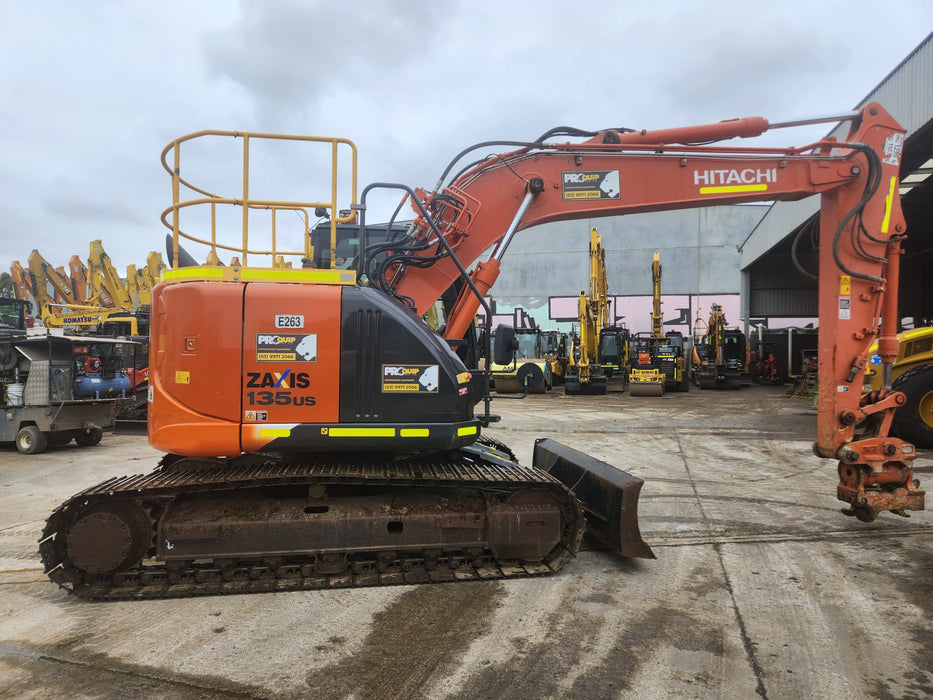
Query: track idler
609	496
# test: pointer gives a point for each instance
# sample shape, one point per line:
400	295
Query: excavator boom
613	172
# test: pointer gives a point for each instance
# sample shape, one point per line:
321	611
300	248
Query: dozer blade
596	386
609	496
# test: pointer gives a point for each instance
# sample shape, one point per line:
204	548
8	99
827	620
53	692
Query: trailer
57	388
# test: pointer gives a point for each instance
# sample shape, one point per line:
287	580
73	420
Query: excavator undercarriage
208	527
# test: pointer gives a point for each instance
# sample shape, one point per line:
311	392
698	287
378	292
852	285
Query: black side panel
382	344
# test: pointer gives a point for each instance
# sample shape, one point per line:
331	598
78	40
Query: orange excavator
320	434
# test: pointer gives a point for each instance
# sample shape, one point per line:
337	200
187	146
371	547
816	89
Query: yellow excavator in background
911	373
98	320
530	370
584	373
49	287
719	357
139	283
148	277
658	362
646	377
106	287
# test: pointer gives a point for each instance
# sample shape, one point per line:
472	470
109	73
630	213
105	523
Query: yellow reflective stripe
414	432
361	432
734	188
302	275
274	432
247	274
186	273
888	201
471	430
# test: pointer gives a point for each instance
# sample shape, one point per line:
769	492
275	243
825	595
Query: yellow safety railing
171	216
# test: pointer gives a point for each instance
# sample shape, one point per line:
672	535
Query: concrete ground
761	586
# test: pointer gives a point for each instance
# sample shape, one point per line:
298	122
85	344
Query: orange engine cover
229	357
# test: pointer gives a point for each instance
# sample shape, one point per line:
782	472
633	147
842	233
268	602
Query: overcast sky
92	91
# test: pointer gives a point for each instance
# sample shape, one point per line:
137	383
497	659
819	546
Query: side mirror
503	352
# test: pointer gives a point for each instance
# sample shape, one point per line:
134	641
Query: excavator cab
614	350
13	313
350	241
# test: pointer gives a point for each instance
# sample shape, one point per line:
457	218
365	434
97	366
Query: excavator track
211	527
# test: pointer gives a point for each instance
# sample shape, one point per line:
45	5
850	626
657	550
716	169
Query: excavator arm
107	289
78	278
656	320
616	172
592	310
49	286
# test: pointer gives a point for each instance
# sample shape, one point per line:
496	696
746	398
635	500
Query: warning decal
893	148
409	379
845	308
592	184
286	347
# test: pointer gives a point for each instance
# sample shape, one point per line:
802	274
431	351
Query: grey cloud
291	54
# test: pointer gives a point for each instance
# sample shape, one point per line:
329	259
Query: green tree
6	285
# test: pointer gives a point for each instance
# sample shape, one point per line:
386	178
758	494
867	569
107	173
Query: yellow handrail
170	217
